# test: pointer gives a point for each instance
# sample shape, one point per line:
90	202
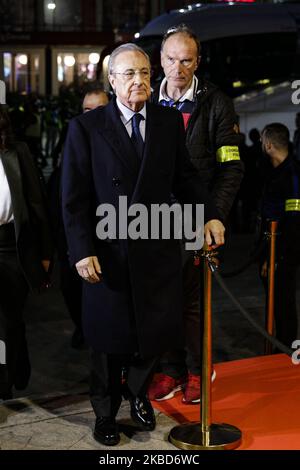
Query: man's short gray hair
124	48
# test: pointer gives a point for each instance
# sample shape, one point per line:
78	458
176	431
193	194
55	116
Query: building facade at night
46	45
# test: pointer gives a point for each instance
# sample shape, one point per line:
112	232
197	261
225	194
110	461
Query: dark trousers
13	294
285	307
286	317
105	381
177	363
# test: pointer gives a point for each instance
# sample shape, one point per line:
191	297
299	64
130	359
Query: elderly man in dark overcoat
132	292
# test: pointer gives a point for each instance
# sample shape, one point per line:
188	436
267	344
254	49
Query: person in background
25	252
296	140
212	140
93	98
33	131
281	202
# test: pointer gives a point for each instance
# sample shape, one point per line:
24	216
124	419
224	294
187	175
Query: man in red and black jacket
212	140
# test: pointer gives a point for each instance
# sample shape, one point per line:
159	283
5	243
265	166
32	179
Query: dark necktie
136	135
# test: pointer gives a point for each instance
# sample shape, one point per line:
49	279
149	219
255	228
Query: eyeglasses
130	74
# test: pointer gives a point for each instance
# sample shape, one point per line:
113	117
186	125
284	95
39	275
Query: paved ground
57	413
65	422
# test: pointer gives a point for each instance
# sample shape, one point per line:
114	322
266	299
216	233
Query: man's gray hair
124	48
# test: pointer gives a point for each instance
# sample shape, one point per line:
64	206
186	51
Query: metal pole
206	351
206	435
271	283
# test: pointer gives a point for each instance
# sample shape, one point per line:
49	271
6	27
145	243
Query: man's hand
89	269
264	269
214	232
46	264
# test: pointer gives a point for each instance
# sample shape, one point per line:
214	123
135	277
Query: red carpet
260	396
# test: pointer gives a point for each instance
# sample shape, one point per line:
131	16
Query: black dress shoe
142	413
106	431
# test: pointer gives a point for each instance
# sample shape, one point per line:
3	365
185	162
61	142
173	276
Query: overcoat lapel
13	173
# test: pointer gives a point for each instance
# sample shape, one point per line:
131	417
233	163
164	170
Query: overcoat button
116	181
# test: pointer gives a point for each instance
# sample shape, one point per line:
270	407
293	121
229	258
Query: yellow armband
292	205
228	153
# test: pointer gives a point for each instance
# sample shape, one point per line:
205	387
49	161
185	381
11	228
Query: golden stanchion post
206	435
271	283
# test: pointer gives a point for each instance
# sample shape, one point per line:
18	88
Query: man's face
179	60
130	79
93	100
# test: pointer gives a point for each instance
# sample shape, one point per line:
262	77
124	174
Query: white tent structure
273	104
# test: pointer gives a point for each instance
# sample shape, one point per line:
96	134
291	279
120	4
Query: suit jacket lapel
13	173
116	135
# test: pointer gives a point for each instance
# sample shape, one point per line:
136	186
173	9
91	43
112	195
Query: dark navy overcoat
138	305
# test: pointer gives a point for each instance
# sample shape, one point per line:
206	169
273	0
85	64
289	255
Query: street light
94	58
22	59
69	60
51	7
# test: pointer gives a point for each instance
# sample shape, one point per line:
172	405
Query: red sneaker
165	387
192	391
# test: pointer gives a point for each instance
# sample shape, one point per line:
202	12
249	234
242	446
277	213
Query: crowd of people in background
43	123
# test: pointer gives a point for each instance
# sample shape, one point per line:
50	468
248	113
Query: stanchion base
190	436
